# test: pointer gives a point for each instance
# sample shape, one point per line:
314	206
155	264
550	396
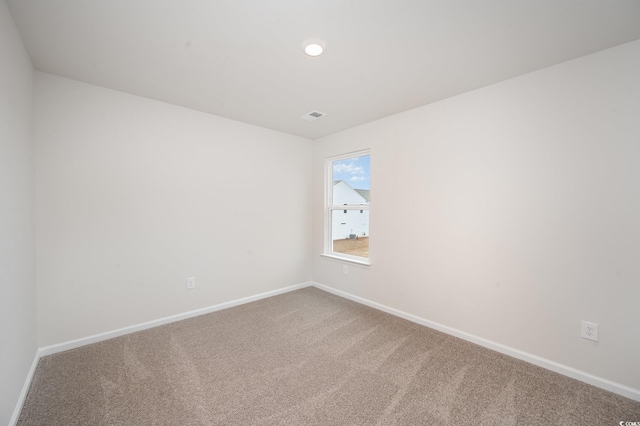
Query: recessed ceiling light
313	47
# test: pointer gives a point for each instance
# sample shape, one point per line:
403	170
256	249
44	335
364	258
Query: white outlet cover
589	331
191	282
345	269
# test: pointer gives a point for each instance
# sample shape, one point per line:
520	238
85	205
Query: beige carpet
305	358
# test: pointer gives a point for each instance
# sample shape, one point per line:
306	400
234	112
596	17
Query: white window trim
349	259
329	207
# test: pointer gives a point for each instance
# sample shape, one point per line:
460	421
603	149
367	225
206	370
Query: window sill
365	263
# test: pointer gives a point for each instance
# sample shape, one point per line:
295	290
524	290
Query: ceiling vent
313	115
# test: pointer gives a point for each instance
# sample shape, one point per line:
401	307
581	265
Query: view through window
349	203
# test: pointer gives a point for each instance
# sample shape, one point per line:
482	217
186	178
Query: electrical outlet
345	270
191	282
590	330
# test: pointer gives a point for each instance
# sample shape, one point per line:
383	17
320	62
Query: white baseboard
72	344
565	370
25	389
600	382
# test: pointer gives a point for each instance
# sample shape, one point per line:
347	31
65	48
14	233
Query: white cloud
358	178
348	168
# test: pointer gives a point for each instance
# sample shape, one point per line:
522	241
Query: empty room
355	212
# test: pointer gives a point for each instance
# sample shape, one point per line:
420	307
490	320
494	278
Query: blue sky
354	170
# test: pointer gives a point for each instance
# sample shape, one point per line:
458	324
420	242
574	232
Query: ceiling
244	60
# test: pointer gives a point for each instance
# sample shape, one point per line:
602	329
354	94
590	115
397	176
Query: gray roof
366	194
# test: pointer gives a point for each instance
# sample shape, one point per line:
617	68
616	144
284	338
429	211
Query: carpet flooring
306	358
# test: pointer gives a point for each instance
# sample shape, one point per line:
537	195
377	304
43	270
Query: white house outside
349	223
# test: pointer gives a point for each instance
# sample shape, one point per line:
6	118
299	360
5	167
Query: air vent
313	115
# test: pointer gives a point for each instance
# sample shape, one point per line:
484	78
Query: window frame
329	208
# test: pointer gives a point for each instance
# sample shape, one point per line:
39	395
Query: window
347	207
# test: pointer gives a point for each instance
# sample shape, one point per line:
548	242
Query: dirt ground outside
359	247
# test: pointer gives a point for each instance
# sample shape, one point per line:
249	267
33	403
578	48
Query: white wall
524	204
136	195
18	343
